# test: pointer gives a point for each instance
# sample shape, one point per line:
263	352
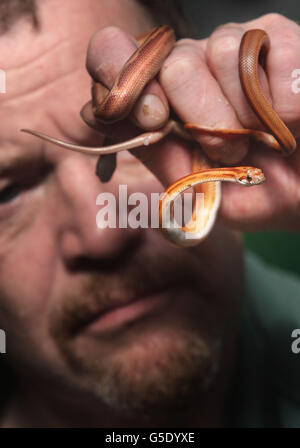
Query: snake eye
246	180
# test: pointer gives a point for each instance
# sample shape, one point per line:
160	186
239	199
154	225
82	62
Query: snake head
249	176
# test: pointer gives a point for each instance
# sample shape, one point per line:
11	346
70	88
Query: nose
80	234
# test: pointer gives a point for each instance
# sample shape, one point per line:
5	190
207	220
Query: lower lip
121	316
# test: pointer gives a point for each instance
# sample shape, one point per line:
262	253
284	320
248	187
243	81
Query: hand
200	81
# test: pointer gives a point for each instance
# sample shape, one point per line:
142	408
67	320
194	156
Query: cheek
26	278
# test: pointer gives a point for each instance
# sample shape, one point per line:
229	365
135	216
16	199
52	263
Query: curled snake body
141	67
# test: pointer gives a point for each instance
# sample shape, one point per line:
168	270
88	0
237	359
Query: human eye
9	193
18	187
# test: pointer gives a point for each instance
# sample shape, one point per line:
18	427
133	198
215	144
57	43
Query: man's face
65	285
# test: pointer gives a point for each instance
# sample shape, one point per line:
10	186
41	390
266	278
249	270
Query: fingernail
150	113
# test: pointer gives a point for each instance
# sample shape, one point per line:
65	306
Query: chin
158	369
155	355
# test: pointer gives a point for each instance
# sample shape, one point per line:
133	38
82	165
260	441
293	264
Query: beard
165	361
164	373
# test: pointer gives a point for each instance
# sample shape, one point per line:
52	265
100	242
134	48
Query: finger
275	205
169	159
197	98
119	132
223	59
203	44
282	60
108	51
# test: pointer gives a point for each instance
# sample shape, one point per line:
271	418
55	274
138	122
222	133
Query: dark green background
278	248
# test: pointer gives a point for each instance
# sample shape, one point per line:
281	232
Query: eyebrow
13	155
13	10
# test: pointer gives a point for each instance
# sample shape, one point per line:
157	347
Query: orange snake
141	67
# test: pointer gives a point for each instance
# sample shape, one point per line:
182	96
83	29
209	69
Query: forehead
69	21
46	80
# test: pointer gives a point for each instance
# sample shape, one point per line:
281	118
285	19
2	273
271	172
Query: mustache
147	271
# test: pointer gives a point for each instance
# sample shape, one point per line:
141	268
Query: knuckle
185	42
179	67
106	34
283	26
226	26
274	19
188	48
222	48
287	47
